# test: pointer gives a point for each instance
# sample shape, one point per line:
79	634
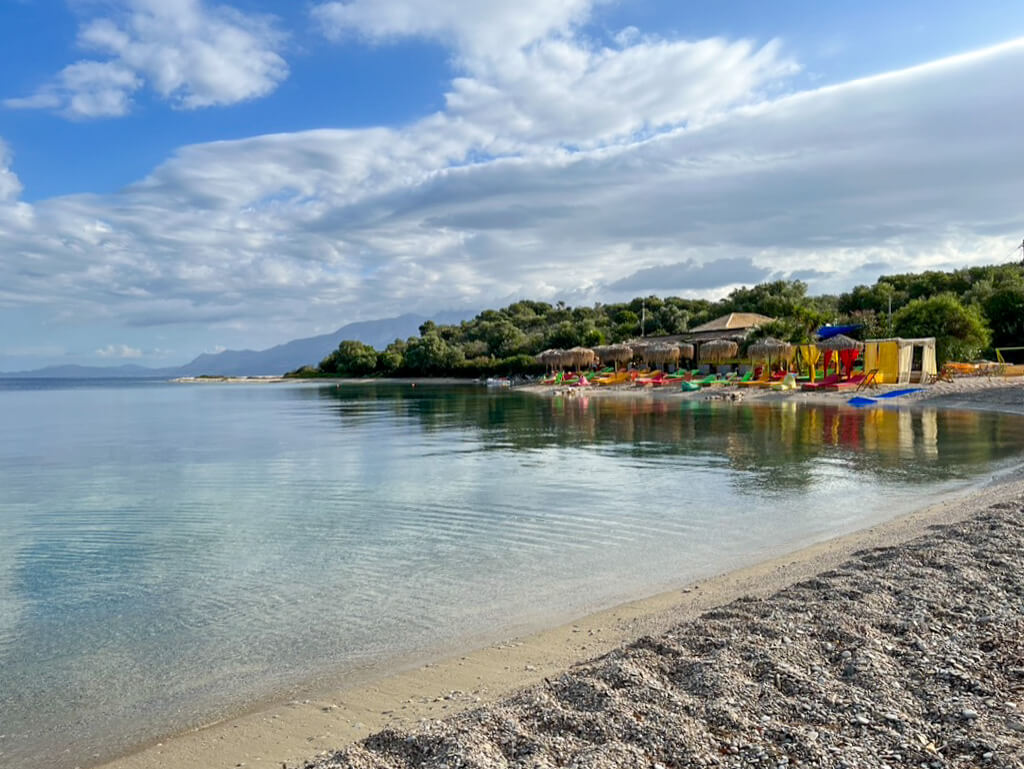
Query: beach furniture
870	380
788	383
762	381
831	379
612	379
849	384
656	377
729	379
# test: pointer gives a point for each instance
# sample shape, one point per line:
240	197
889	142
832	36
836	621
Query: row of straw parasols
661	353
769	349
653	353
577	357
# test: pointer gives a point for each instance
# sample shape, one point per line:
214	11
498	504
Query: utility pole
643	316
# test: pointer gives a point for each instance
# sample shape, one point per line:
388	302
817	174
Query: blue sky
179	176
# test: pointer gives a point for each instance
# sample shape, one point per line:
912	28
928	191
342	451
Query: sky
183	176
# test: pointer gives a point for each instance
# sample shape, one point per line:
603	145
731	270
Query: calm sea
169	553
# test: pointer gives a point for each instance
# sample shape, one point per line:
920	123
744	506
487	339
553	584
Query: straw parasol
718	350
640	347
845	349
581	357
660	352
614	353
770	349
686	350
551	358
839	342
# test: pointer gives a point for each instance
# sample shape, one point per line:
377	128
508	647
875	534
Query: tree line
969	312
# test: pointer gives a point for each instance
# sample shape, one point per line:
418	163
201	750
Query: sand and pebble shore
990	393
908	655
900	645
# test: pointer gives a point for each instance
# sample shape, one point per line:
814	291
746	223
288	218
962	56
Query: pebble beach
902	656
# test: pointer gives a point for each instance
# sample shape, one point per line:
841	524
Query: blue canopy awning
827	332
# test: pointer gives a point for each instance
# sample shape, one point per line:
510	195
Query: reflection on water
776	443
171	552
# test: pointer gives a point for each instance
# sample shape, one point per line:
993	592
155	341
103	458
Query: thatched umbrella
660	353
582	357
614	354
640	347
769	349
846	349
686	350
552	358
718	350
839	342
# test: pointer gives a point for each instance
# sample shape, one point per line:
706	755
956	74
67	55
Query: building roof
734	321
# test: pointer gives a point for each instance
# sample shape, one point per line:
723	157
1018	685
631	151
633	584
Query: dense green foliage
351	358
965	310
960	332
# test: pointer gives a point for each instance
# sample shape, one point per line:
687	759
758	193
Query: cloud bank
560	168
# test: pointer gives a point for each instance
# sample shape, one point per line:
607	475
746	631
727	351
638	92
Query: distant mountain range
275	360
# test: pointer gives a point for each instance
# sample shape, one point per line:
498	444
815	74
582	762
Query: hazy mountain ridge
272	361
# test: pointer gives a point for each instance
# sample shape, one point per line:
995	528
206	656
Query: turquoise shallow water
169	553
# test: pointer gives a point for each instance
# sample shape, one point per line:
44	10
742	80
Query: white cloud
287	232
188	53
475	28
527	76
562	92
10	186
119	351
86	89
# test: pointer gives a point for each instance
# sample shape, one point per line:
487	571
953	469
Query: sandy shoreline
296	731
